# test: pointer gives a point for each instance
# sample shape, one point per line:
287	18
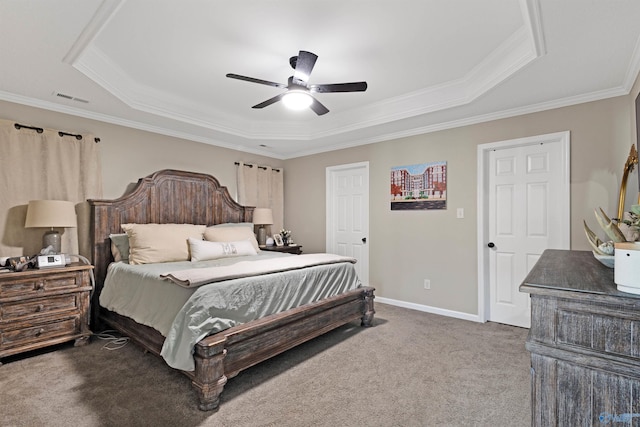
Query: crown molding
507	59
633	70
504	114
58	108
100	19
532	15
565	102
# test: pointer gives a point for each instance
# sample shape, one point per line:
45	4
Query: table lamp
50	214
262	217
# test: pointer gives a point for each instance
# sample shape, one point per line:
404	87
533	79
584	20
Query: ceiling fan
298	94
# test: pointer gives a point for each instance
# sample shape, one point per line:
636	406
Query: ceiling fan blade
318	108
253	80
304	65
269	101
339	87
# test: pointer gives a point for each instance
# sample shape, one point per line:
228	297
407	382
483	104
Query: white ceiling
429	64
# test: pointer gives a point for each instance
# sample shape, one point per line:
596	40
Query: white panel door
348	214
526	211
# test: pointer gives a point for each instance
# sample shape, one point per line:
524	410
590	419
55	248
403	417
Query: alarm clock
49	261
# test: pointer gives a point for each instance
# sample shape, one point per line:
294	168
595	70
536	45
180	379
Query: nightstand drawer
38	307
42	332
34	286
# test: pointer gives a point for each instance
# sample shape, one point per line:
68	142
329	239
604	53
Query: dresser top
34	272
575	271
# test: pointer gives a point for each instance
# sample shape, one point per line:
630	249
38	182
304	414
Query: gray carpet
410	369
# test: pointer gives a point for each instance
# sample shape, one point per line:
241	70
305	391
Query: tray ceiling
429	64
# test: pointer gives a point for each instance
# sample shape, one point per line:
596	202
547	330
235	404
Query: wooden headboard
164	197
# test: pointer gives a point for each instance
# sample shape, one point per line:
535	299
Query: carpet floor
410	369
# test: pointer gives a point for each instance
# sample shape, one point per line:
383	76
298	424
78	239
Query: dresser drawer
38	307
39	333
36	285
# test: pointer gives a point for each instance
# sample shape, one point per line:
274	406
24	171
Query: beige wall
407	246
129	154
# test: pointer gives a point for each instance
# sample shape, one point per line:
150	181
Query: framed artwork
419	187
278	239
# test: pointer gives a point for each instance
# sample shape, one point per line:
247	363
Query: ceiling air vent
72	98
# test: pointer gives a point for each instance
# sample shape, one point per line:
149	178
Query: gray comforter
186	315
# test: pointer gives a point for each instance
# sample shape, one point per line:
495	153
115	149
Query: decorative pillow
231	234
120	246
202	250
152	243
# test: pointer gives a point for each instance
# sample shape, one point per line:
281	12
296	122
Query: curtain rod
60	133
259	167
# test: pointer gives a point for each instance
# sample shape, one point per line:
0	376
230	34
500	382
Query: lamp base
52	238
262	236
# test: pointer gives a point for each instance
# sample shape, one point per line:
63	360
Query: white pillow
231	234
153	243
202	250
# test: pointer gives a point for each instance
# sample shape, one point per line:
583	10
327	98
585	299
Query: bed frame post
209	380
369	311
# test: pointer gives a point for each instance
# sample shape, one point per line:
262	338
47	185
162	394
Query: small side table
290	249
44	307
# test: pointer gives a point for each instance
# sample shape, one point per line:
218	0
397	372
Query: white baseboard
428	309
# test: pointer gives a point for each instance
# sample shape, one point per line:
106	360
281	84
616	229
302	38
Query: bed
180	197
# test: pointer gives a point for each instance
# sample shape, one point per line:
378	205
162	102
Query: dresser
44	307
584	342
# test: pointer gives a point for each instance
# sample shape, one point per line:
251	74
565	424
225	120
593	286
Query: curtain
262	187
45	166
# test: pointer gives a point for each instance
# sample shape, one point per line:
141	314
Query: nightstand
39	308
290	249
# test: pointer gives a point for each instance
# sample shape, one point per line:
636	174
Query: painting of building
421	186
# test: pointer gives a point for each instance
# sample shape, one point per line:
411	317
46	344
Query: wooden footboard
223	355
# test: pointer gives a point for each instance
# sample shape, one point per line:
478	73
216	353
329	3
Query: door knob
491	244
364	240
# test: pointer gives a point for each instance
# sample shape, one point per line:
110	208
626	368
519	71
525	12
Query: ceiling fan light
297	100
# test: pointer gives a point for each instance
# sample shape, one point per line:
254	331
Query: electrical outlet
460	213
427	284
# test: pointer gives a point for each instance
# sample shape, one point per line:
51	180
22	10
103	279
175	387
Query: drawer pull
39	332
39	308
39	286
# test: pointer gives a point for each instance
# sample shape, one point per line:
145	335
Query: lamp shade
50	213
262	216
